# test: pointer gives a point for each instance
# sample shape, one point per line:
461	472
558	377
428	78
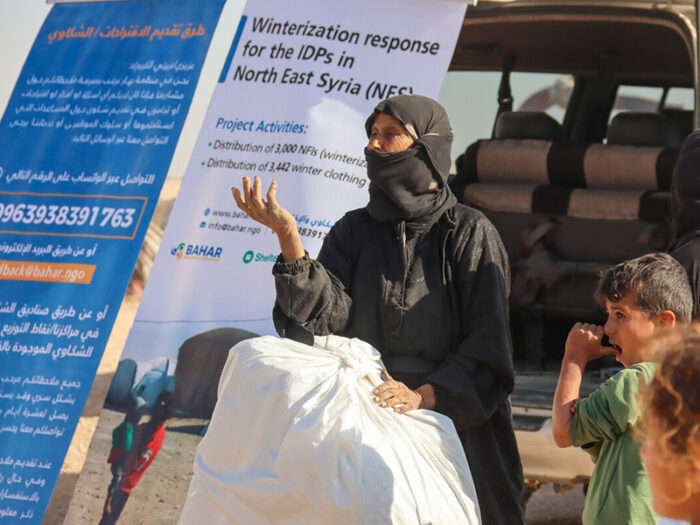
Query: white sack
296	438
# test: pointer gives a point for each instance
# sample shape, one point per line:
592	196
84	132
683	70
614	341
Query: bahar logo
177	252
203	252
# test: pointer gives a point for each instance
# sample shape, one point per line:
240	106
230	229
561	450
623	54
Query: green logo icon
248	256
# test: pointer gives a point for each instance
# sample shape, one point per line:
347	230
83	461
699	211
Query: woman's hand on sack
396	395
270	214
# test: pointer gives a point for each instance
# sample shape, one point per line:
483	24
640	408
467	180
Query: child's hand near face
584	343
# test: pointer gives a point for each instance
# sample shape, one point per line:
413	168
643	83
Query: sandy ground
548	508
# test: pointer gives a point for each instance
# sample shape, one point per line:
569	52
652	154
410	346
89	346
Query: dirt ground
545	507
83	482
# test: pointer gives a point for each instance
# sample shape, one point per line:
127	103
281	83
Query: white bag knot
361	363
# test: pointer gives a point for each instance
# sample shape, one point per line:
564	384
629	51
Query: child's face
669	482
628	327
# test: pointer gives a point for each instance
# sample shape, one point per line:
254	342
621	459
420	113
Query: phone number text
71	215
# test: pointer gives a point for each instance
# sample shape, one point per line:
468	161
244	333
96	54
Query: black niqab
400	181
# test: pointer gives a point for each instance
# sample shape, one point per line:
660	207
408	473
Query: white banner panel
298	84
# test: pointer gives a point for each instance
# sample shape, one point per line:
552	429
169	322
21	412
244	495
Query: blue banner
87	139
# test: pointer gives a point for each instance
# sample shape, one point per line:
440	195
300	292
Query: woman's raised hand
268	213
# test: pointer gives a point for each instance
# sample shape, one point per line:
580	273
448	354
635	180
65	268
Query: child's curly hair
672	399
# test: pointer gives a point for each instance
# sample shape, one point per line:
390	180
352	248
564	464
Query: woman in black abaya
421	278
685	213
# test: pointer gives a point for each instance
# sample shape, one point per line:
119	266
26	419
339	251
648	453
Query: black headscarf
399	181
685	192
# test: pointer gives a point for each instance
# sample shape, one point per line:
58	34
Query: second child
671	424
641	296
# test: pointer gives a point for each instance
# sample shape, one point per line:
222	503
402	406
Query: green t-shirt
619	491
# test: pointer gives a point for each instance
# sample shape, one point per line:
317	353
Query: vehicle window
471	100
680	98
678	106
636	98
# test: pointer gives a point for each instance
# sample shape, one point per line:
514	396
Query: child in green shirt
640	296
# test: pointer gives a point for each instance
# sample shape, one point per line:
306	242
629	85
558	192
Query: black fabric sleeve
688	254
312	295
477	378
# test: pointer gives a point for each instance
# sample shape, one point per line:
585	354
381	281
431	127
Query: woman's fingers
272	195
256	201
247	190
257	194
386	388
238	198
257	188
253	204
396	395
384	391
412	403
392	401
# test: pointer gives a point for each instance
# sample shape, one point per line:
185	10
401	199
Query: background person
685	212
421	278
641	296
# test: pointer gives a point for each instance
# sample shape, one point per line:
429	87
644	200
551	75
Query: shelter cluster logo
202	252
251	256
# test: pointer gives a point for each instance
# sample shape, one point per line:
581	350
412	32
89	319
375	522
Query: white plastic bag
296	438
